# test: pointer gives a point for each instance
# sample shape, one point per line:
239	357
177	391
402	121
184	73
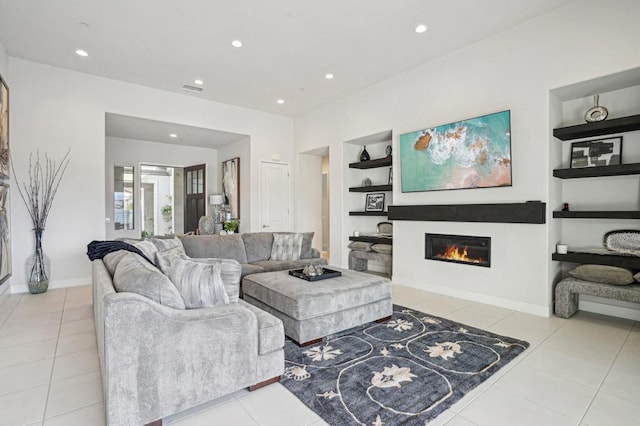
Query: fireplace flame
453	253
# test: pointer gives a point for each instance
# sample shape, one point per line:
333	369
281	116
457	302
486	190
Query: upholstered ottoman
311	310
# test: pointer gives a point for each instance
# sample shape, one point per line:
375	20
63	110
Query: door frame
290	208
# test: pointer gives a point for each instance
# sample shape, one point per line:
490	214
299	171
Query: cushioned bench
568	290
359	260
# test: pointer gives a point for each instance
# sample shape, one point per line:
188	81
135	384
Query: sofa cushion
257	245
147	248
111	260
199	283
281	265
136	275
286	246
215	246
250	268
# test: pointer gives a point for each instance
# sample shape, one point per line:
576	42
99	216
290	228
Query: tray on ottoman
328	273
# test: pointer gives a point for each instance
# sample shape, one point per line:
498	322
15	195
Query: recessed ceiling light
421	28
236	43
173	135
198	82
82	53
328	76
280	101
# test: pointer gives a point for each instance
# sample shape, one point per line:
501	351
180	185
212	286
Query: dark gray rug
405	371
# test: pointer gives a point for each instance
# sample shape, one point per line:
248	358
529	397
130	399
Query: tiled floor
582	371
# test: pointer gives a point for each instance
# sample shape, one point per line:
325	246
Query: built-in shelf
371	188
385	214
372	239
378	162
528	212
584	172
599	259
607	127
627	214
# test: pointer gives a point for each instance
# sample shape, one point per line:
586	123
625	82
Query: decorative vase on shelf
38	266
596	112
364	155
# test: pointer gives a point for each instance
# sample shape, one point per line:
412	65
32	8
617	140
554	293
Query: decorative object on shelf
231	185
385	228
562	248
38	195
232	226
366	182
374	203
388	150
473	153
206	225
596	153
625	241
356	233
364	155
391	176
5	233
218	214
596	112
565	207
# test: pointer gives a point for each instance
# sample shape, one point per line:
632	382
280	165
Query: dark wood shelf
584	172
385	214
599	259
371	188
371	164
529	212
606	127
372	239
628	214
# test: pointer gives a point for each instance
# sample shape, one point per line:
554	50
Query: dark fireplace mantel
528	212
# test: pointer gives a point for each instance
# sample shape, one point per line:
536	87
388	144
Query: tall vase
38	266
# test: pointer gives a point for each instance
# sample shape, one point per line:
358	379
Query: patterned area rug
405	371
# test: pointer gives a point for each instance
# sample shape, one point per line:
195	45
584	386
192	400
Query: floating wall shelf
599	128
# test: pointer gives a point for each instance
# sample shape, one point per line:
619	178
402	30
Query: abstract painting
472	153
4	130
231	185
5	234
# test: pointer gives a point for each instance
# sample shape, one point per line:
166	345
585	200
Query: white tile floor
581	371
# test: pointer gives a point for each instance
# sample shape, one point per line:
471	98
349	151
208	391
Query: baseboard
527	308
71	282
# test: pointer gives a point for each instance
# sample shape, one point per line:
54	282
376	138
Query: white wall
131	152
4	72
514	70
55	109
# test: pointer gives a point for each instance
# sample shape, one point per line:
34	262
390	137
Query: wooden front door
194	196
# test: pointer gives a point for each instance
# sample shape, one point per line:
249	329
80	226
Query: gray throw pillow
360	246
147	248
199	283
382	248
136	275
286	246
603	274
173	245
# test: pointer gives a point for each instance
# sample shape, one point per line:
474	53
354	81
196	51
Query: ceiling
288	45
122	126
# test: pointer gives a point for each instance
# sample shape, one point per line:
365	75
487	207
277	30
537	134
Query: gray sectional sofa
252	250
158	358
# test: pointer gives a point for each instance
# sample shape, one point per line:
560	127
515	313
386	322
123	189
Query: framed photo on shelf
374	203
596	153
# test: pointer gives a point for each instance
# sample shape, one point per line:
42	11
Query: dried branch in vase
40	190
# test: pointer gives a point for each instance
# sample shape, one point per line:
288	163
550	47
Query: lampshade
216	199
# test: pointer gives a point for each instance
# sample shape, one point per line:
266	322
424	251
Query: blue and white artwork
473	153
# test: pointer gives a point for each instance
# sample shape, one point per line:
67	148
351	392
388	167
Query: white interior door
275	210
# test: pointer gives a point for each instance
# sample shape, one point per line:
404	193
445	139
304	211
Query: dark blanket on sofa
99	249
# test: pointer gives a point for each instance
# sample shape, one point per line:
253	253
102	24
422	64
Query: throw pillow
230	272
382	248
360	246
199	283
147	248
136	275
173	245
603	274
286	246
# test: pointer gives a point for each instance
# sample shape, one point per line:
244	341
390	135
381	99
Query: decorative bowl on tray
315	273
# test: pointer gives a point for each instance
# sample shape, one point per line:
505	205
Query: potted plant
232	226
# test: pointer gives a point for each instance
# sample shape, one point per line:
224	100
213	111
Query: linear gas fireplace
458	249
